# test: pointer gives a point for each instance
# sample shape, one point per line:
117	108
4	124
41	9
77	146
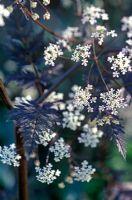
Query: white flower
90	136
47	174
9	156
101	33
51	53
83	173
35	16
46	15
71	32
112	101
45	137
127	25
33	4
60	150
129	42
4	12
81	53
46	2
83	98
91	14
72	117
120	64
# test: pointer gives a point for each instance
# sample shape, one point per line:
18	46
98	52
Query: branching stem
22	169
59	81
29	14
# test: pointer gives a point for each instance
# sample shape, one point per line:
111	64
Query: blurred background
115	177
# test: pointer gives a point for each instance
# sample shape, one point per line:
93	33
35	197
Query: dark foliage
24	44
33	119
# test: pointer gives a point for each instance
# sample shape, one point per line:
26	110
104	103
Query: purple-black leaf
33	120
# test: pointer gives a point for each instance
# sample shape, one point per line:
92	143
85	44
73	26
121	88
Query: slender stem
29	14
38	83
96	61
59	81
22	169
107	72
70	71
89	73
78	8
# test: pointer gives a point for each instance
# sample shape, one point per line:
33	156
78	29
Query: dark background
115	169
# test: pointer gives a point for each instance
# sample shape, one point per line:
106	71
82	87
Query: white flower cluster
120	64
112	101
45	137
51	53
101	33
92	14
83	98
127	25
34	5
46	15
35	16
9	156
72	117
47	174
83	173
46	2
60	150
71	32
81	53
90	136
4	12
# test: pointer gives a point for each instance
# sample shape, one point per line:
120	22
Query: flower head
9	156
120	64
60	150
90	136
81	53
51	53
46	2
83	173
127	25
112	101
83	98
101	33
4	12
92	14
47	174
72	117
45	137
